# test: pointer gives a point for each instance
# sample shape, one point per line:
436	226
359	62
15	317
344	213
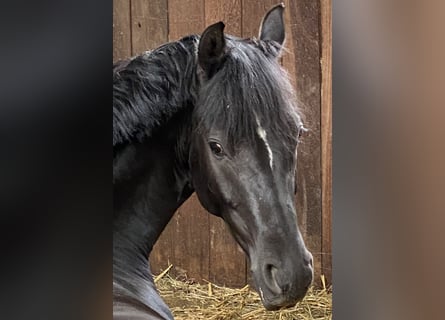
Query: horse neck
152	182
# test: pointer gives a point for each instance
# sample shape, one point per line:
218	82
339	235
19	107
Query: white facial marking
262	134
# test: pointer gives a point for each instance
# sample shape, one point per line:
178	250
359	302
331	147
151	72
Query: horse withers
214	114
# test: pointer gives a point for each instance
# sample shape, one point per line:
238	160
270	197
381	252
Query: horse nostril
271	277
276	282
271	271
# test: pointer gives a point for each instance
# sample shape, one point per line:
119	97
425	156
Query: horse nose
293	282
270	276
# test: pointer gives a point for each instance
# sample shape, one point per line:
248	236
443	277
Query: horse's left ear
272	26
211	49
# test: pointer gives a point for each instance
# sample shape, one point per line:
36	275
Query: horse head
245	131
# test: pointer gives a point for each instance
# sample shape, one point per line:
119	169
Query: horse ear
272	26
211	48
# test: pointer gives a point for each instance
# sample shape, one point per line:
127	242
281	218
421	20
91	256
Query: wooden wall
195	242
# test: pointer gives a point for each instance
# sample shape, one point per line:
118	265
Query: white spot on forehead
262	134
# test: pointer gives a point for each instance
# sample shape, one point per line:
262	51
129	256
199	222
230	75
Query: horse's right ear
211	49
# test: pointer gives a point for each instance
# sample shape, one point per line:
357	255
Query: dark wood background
195	242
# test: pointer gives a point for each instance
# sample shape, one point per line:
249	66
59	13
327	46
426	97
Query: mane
249	90
149	89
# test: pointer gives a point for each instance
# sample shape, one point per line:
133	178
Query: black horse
213	114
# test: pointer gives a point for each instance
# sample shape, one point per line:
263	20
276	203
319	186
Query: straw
190	300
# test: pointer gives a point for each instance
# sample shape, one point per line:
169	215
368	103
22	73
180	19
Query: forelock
250	86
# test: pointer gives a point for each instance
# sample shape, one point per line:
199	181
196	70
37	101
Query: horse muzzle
281	284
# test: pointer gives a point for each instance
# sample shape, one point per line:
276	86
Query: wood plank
191	222
288	55
184	243
227	261
305	45
163	254
326	135
121	30
185	17
149	24
191	240
228	11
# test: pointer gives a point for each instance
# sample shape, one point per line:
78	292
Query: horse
213	114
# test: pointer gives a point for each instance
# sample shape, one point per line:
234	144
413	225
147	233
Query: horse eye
216	148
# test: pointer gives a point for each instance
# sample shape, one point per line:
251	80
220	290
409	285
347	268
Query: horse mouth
279	302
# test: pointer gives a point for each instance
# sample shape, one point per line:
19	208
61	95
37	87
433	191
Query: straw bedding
189	300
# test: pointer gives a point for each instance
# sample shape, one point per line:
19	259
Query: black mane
149	89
